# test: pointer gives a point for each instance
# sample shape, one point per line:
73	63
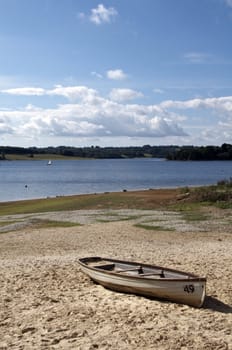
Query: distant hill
95	152
171	152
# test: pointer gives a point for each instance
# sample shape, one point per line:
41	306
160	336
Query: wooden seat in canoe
161	274
137	268
105	266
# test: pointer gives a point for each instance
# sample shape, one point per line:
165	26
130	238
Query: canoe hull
186	289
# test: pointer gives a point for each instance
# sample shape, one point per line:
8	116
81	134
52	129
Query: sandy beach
48	303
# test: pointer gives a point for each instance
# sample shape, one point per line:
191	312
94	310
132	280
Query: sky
115	73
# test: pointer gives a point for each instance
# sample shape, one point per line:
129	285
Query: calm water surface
36	179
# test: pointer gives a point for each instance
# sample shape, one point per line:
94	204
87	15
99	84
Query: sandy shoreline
47	303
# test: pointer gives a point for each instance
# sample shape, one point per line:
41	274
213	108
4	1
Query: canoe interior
134	269
145	279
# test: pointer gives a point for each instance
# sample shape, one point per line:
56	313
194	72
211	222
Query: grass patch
187	206
184	190
192	211
112	200
154	228
195	216
6	223
40	223
43	223
224	205
219	194
118	217
50	204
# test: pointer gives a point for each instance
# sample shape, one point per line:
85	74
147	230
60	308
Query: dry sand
48	303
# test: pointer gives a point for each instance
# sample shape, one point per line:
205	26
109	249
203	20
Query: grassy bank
149	199
181	199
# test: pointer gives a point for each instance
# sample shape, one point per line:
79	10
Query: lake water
36	179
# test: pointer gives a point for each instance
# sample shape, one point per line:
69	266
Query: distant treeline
223	152
91	152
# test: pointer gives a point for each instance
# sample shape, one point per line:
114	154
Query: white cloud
158	91
116	74
223	104
5	127
81	15
164	127
9	80
25	91
97	75
73	92
70	92
197	57
101	14
124	94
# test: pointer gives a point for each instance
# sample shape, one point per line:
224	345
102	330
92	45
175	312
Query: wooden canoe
145	279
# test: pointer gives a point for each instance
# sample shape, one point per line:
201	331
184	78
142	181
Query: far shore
45	157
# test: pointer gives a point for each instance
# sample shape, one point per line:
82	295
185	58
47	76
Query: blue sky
115	73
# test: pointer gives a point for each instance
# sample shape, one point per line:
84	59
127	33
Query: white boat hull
186	289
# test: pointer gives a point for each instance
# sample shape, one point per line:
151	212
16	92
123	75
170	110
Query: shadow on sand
216	305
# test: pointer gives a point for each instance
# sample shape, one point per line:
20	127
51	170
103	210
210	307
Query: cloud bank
88	114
